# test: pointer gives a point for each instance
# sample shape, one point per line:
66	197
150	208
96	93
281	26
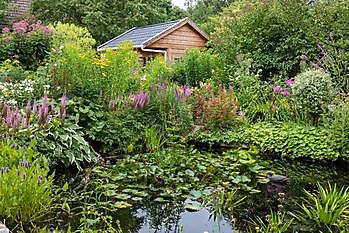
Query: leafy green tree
275	34
106	18
4	4
201	10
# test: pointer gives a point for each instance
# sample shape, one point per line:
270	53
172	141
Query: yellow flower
101	62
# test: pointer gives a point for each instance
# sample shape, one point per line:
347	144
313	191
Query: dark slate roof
138	35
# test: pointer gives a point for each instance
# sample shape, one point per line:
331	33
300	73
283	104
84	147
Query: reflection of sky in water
192	222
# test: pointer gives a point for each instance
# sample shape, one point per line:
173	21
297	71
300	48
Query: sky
179	3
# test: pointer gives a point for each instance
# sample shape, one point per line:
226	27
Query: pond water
174	217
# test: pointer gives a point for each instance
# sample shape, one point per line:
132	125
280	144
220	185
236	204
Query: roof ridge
151	25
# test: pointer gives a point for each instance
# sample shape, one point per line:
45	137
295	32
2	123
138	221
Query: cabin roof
143	36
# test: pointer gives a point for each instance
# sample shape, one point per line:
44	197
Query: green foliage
172	173
200	10
291	140
100	20
313	91
287	140
28	42
196	67
19	86
25	192
276	223
78	71
271	33
65	33
4	5
257	99
64	145
274	34
326	211
338	123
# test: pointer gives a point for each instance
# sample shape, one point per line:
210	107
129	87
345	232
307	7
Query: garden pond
205	192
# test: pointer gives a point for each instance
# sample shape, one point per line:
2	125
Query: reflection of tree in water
129	221
164	218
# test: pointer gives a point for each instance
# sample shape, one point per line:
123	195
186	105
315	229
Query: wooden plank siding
178	41
18	9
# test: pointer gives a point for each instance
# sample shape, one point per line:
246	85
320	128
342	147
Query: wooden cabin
169	39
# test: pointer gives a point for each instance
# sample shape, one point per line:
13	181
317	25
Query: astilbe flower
35	107
43	113
277	89
139	101
182	92
63	109
289	82
28	113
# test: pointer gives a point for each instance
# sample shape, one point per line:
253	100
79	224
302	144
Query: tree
106	18
201	10
4	5
275	34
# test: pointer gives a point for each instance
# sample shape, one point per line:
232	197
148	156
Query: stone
3	228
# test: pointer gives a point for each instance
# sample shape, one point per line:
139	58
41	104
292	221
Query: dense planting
87	135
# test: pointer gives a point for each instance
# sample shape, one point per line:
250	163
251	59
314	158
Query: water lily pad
122	205
122	196
193	206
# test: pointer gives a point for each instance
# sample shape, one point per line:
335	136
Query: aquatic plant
326	210
275	223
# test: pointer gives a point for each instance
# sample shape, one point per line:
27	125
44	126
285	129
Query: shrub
196	67
25	193
19	86
293	141
215	108
80	72
271	33
313	91
28	42
65	33
338	123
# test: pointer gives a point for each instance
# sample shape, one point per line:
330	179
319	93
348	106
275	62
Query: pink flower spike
289	82
286	93
274	107
277	89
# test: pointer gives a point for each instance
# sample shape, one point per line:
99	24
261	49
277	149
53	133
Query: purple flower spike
186	91
139	101
28	112
43	112
177	93
63	109
35	107
286	93
277	89
289	82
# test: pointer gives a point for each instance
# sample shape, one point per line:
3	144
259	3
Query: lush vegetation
87	135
